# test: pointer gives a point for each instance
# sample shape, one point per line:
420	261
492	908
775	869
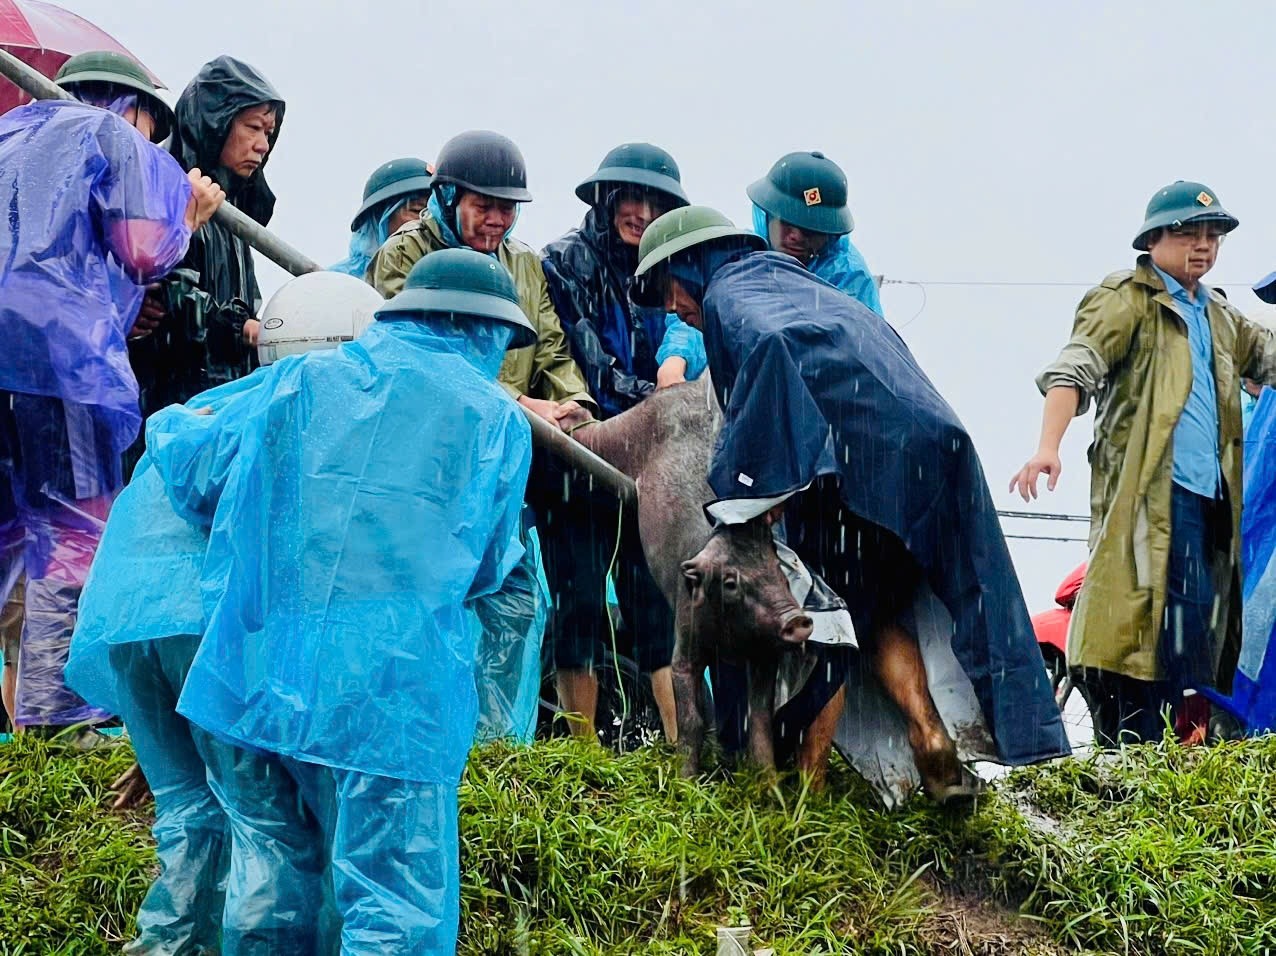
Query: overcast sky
984	142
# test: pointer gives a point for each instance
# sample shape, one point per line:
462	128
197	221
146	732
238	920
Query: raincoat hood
222	89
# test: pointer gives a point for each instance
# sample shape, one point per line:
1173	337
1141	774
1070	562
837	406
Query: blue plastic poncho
95	213
1253	697
358	504
145	581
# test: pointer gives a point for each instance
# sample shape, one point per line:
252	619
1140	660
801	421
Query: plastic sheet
362	499
509	654
101	212
145	580
1253	698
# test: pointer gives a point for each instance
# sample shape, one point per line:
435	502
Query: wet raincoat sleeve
1104	328
684	342
140	199
555	375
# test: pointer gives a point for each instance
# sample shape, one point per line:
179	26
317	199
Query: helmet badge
812	196
1204	198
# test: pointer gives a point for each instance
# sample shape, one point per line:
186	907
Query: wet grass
567	849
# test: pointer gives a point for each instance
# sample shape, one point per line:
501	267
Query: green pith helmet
392	180
463	282
107	66
483	162
807	190
638	164
676	232
1181	202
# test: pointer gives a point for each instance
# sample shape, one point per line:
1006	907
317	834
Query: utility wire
1035	516
1042	537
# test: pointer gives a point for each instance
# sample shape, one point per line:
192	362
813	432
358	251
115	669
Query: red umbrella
45	37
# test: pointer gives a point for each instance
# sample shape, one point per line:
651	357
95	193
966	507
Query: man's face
410	211
801	244
483	221
634	213
678	299
1189	251
142	120
248	141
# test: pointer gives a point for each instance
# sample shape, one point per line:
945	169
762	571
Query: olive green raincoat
545	370
1129	354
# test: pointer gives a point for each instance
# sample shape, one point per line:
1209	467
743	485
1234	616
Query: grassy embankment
571	850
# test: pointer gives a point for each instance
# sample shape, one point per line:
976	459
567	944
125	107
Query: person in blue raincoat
358	505
396	194
139	626
828	417
96	212
614	342
801	207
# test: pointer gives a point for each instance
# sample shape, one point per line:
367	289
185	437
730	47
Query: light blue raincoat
358	504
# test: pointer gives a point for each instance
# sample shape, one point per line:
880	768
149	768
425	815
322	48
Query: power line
1042	537
1035	516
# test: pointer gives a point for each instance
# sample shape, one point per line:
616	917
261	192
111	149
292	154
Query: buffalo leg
688	690
817	742
761	703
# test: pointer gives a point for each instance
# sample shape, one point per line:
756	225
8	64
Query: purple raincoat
93	212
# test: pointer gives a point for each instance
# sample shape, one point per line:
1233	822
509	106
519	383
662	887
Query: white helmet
319	310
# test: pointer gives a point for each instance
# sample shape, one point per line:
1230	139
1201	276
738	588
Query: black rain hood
222	89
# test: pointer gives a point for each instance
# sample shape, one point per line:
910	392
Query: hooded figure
200	341
828	415
588	272
359	504
95	212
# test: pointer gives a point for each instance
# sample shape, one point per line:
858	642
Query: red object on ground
45	36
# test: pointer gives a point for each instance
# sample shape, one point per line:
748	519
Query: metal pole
276	250
234	221
553	440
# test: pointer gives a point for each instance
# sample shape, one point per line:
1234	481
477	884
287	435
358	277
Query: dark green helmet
392	180
807	190
463	282
107	66
1181	202
483	162
675	232
638	164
